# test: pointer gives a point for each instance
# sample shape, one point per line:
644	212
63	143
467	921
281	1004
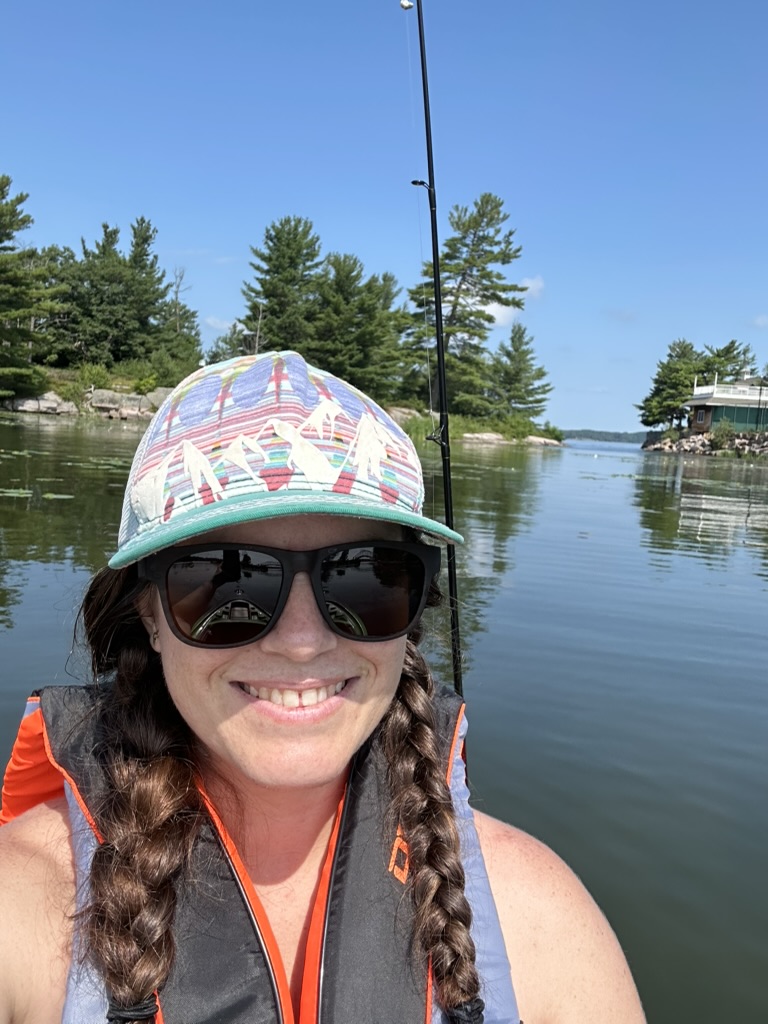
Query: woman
223	827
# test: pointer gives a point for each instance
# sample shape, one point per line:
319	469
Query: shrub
722	436
69	391
144	385
93	375
23	381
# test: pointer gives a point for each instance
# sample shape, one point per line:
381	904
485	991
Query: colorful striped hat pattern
263	436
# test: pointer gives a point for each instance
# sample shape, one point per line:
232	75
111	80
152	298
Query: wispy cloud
761	320
535	286
216	324
221	260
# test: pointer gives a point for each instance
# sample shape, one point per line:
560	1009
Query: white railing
729	390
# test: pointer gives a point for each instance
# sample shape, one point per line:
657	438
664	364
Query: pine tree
355	330
281	301
672	385
148	291
176	347
519	385
24	303
471	284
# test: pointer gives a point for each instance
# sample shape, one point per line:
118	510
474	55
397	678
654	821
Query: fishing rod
441	437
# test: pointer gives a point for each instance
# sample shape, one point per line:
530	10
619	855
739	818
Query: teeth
295	698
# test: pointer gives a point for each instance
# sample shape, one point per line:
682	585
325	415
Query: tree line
116	308
684	365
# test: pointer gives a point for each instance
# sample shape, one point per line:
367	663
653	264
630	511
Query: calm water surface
614	623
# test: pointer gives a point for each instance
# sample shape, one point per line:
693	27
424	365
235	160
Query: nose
300	633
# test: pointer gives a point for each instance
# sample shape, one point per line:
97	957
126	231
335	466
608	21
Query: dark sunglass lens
372	591
223	596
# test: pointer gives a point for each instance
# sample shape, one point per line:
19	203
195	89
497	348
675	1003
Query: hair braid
152	811
422	806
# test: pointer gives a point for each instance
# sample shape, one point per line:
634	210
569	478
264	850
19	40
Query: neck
277	830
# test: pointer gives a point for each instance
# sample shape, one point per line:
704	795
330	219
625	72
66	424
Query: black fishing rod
441	436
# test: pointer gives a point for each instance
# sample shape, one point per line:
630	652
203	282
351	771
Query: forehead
304	532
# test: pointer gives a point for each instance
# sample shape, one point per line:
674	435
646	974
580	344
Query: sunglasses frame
155	568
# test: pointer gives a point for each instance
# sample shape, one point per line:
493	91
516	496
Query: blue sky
629	143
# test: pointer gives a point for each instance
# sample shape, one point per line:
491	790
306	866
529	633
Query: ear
146	610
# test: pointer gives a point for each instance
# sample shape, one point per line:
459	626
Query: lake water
614	623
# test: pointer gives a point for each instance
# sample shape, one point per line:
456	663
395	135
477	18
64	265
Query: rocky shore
702	444
110	405
115	405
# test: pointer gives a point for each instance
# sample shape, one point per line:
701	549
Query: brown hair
151	817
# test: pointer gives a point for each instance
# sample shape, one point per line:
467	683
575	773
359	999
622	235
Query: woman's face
300	731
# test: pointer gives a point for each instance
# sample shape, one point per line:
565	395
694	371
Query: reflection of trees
41	457
710	506
495	491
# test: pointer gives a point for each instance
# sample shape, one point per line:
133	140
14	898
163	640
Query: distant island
637	437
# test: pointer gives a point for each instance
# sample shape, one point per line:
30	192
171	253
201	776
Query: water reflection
706	507
61	488
495	491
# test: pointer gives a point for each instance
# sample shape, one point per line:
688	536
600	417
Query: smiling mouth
294	698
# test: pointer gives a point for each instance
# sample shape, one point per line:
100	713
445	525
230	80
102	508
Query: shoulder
36	903
567	965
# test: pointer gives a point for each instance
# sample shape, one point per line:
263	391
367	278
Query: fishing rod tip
406	5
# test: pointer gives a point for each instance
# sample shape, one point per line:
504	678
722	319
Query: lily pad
14	492
57	497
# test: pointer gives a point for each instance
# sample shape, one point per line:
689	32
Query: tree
355	329
672	386
24	302
177	350
730	362
518	384
471	285
147	294
281	301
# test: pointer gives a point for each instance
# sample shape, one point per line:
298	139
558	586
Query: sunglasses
228	595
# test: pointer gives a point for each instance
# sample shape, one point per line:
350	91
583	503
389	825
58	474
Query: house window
700	416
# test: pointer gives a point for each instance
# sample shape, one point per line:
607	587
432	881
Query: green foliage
69	391
517	383
672	386
280	302
730	362
236	342
93	375
471	284
23	381
511	428
145	384
675	376
722	436
24	300
547	430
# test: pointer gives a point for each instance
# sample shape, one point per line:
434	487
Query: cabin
743	403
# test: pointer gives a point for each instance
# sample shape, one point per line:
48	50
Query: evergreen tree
280	302
518	384
236	342
672	386
24	303
730	362
471	283
104	320
177	349
355	330
147	294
